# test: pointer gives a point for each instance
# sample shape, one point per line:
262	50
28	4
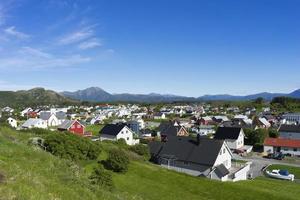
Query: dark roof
236	123
187	149
66	124
221	171
168	128
112	129
231	133
289	128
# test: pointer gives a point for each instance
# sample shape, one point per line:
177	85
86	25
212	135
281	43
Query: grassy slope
34	174
150	182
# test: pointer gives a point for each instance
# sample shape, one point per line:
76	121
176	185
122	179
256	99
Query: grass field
94	128
34	174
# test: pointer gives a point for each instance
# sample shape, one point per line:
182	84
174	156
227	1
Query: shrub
73	147
141	150
102	177
121	143
117	160
273	133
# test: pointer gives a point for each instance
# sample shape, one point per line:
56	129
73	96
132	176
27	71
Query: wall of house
290	135
127	135
224	157
268	149
214	176
242	173
77	128
289	150
190	168
236	144
107	137
53	121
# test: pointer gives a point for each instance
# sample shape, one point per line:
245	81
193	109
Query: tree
141	150
273	133
117	160
102	177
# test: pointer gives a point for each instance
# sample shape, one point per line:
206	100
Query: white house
159	116
283	145
34	123
12	122
25	111
116	132
233	136
53	118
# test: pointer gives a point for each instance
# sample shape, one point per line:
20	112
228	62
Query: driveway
258	163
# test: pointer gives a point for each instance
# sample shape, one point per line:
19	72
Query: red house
72	126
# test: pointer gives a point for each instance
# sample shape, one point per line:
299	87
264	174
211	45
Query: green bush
102	177
70	146
117	160
141	150
273	133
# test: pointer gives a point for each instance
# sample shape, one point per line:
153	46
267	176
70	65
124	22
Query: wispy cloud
92	43
77	36
13	32
28	58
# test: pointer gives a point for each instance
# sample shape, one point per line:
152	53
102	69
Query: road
258	163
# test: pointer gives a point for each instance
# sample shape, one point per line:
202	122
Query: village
217	142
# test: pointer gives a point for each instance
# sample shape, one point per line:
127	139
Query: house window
220	152
224	150
127	138
73	126
186	163
295	149
78	126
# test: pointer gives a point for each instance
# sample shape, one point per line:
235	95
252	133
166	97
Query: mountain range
96	94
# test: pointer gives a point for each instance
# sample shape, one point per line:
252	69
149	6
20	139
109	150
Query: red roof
282	142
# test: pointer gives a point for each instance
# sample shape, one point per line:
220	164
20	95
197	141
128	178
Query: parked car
277	156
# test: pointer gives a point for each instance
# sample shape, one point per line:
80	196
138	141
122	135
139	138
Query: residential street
258	163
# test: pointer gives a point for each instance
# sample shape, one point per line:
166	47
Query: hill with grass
36	96
28	172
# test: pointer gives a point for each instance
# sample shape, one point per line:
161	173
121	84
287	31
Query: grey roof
289	128
45	115
112	129
187	149
61	115
231	133
168	128
31	122
66	124
221	171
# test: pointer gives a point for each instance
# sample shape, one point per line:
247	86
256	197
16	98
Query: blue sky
185	47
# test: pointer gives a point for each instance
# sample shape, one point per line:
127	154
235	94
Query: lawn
292	170
147	181
94	128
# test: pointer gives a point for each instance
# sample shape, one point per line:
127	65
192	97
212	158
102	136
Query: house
171	128
197	157
73	126
25	111
115	132
205	130
205	121
289	132
261	122
159	115
134	126
283	145
49	118
34	123
234	136
12	122
291	118
220	119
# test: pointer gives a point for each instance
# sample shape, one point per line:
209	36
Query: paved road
258	163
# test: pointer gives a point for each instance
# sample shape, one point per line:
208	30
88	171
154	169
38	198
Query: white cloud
35	52
77	36
92	43
13	32
33	59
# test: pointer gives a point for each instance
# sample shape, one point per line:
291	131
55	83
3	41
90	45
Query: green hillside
30	173
36	96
